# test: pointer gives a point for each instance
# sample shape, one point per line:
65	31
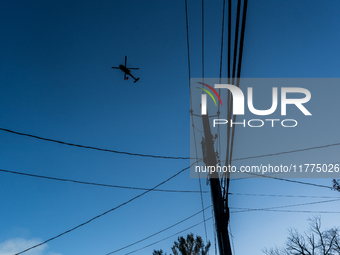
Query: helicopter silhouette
127	71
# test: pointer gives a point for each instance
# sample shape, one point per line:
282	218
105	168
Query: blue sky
57	82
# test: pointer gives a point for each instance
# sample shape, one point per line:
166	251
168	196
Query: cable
270	195
158	232
203	40
97	184
236	39
168	237
218	143
102	214
247	209
232	239
299	211
292	151
229	38
287	180
202	203
214	230
187	29
91	147
191	111
277	207
221	58
300	182
230	99
282	179
243	27
166	157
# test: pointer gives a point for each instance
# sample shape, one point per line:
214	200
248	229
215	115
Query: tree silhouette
336	185
159	252
188	246
313	242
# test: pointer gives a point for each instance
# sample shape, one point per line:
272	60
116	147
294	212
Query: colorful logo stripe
208	94
213	90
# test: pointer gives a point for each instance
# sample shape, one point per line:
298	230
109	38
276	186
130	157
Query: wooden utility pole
221	213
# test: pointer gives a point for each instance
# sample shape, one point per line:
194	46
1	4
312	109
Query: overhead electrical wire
97	184
232	238
102	214
91	147
191	111
199	177
288	152
243	27
188	48
300	182
222	37
237	24
289	211
277	195
168	237
278	207
286	180
203	40
158	232
230	137
165	157
166	190
273	209
218	143
229	38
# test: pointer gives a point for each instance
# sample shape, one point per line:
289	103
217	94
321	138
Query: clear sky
56	82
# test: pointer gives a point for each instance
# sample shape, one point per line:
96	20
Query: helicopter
127	71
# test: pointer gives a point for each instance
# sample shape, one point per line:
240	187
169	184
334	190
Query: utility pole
221	213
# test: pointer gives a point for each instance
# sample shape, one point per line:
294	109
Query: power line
191	111
102	214
203	40
91	147
271	195
199	179
168	236
278	207
221	58
289	211
167	190
158	232
157	156
202	203
245	209
287	152
187	29
300	182
243	27
229	36
232	239
237	24
97	184
288	180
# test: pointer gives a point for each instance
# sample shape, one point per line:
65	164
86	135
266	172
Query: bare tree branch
313	242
